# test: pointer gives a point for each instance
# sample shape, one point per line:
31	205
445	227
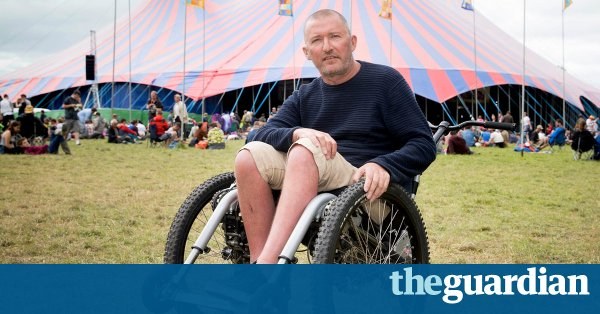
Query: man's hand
377	179
320	139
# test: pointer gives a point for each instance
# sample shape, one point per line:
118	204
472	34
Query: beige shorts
334	173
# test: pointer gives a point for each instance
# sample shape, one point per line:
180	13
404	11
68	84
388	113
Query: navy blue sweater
373	117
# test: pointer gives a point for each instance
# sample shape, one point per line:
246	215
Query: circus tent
233	44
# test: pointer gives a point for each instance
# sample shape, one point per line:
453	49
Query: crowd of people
584	136
43	134
27	133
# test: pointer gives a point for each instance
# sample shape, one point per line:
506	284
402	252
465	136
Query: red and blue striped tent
233	44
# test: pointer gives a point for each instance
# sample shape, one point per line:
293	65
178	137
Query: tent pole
203	62
475	52
564	95
112	98
294	50
129	87
523	82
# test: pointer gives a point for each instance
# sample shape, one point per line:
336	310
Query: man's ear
306	53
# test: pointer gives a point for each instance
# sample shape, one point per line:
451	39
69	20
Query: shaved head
322	14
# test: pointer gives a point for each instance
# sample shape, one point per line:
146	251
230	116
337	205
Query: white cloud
544	31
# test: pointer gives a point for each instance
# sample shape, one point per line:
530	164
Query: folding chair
583	145
559	139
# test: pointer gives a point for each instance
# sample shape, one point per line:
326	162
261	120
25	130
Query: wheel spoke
378	232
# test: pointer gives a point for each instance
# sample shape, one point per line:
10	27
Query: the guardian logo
535	282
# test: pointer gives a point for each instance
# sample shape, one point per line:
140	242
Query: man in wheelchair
358	120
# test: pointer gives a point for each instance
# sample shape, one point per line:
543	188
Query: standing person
273	112
72	105
6	109
526	125
591	124
152	105
180	113
24	102
507	118
383	137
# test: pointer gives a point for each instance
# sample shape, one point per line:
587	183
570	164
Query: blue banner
299	288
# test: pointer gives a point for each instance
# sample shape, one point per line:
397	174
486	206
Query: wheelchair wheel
389	230
191	219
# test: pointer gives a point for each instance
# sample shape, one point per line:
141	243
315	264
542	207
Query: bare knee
244	165
301	156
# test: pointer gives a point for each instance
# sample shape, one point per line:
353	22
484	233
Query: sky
32	29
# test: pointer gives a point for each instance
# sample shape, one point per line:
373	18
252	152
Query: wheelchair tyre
349	235
191	219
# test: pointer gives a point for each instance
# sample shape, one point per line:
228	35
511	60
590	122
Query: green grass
110	203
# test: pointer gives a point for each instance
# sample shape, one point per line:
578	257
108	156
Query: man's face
329	45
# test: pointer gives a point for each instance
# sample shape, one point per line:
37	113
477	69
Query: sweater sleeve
404	119
279	130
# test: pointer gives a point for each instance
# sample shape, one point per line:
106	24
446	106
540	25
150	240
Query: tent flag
468	5
195	3
567	3
386	10
285	7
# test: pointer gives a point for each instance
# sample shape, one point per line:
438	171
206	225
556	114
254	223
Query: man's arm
407	124
69	103
279	131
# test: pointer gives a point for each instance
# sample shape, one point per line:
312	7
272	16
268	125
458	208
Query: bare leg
256	202
76	136
299	188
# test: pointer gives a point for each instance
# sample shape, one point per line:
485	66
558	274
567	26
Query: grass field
110	203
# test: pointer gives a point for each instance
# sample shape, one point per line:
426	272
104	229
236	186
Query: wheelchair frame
314	212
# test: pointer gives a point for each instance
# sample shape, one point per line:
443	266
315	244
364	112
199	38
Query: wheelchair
340	227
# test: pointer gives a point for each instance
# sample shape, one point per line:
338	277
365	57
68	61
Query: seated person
99	124
114	135
9	139
31	150
468	136
200	134
56	137
216	137
125	131
557	137
583	140
485	136
538	138
257	125
458	145
32	126
597	148
496	139
141	129
158	126
172	134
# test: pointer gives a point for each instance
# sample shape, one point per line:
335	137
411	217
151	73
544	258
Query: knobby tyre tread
406	217
200	197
